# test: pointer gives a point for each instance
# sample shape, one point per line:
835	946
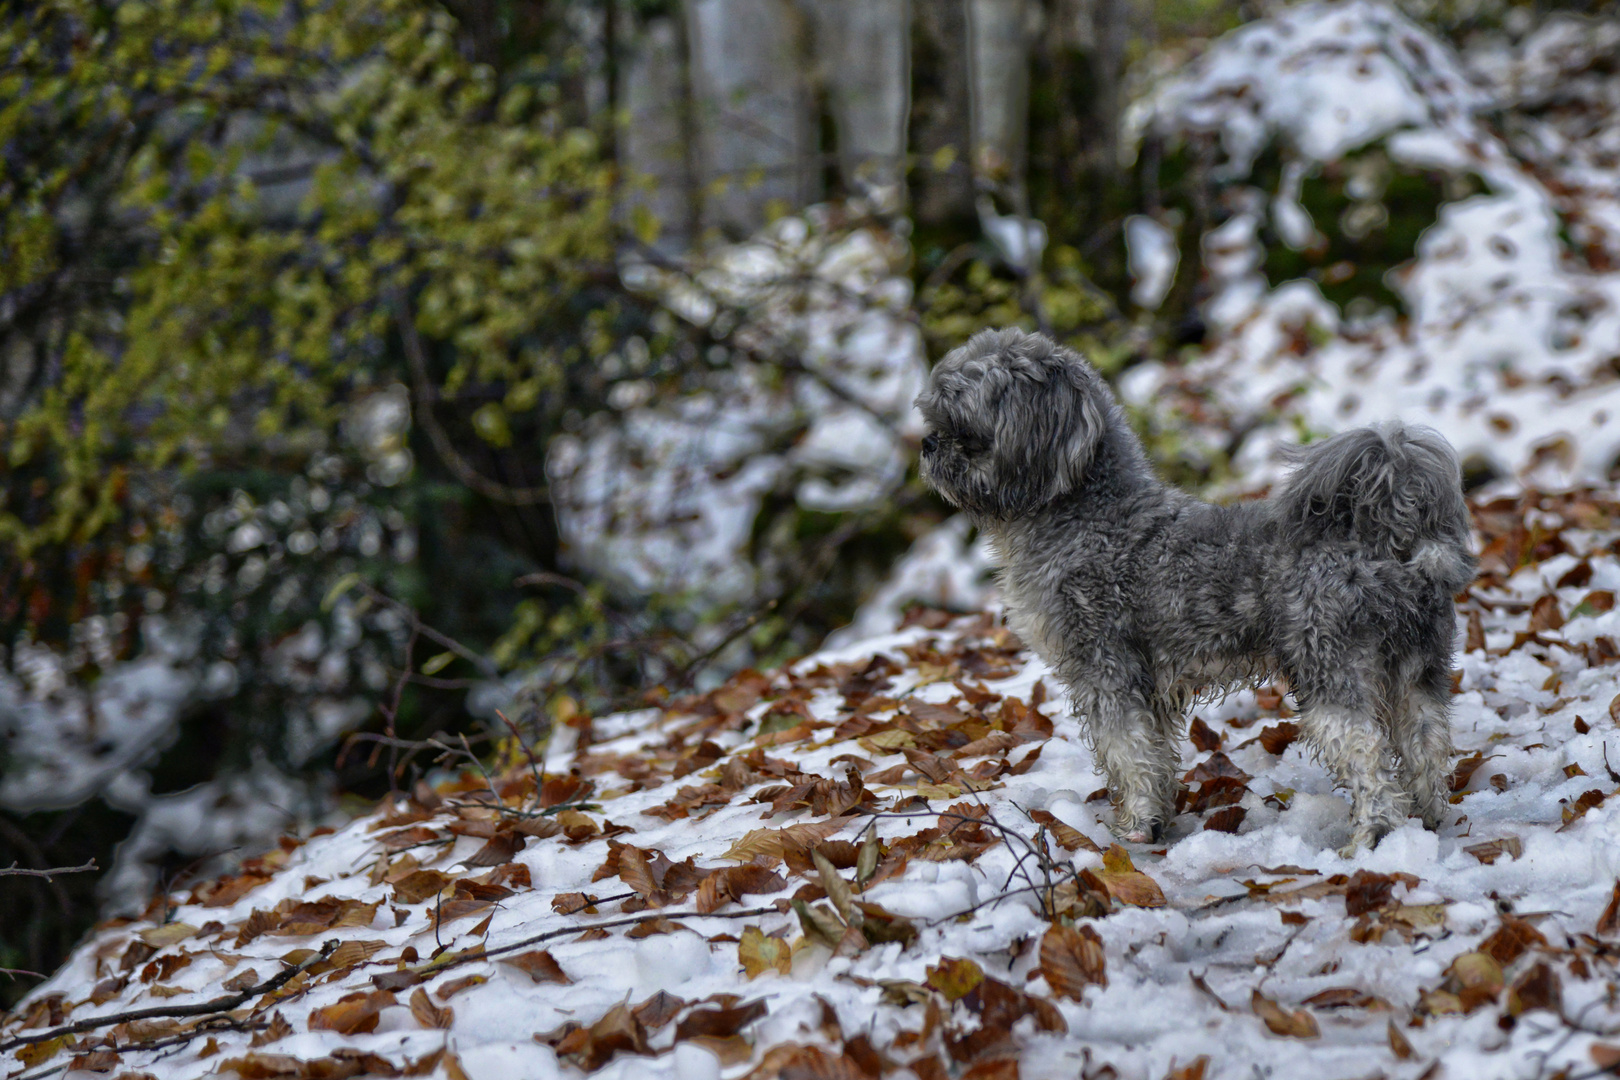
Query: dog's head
1013	421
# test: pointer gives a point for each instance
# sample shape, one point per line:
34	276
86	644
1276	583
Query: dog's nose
930	443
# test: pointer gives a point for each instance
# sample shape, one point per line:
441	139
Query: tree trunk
865	51
655	152
752	111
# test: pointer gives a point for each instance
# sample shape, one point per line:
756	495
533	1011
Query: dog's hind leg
1421	724
1349	742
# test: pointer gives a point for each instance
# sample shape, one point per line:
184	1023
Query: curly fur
1144	599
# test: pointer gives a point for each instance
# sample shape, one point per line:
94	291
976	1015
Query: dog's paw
1150	833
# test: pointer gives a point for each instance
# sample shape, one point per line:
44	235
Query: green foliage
237	306
1369	213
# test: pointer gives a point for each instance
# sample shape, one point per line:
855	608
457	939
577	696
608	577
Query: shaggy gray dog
1144	599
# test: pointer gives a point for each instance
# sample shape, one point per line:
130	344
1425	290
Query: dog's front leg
1138	757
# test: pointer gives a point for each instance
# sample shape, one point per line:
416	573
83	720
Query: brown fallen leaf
1537	988
1369	891
428	1014
1344	997
1295	1024
1608	924
1279	737
419	885
1491	850
1464	770
1203	736
539	965
1398	1044
1072	959
1511	940
617	1032
446	991
352	1014
1069	837
1125	882
718	1023
1226	820
658	1010
773	842
1193	1070
733	882
168	934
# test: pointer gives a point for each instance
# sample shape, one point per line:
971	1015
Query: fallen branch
160	1012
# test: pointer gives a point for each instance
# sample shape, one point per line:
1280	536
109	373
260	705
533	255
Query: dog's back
1393	489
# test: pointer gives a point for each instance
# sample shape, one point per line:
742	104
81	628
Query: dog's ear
1047	432
1082	424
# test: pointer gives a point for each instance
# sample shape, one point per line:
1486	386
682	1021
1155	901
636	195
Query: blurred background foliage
297	301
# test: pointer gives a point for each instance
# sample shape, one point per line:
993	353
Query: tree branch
203	1008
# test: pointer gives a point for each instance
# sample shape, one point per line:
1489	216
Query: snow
1546	669
946	568
663	494
1513	328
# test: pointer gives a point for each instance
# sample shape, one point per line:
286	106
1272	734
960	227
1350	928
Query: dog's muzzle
930	443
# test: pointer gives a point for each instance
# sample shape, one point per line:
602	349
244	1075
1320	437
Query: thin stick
22	871
203	1008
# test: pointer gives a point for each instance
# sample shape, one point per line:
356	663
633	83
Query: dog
1144	599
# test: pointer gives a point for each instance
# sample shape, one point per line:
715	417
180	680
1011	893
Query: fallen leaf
1398	1044
419	886
352	1014
1203	736
658	1010
1491	850
1464	770
1072	959
718	1023
168	934
1279	737
955	977
1127	884
428	1014
1226	820
773	842
759	953
1511	940
1537	988
1298	1024
1608	924
539	965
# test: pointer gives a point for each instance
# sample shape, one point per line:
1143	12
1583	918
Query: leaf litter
919	882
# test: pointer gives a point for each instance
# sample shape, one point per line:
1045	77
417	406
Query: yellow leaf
435	664
955	978
168	934
758	953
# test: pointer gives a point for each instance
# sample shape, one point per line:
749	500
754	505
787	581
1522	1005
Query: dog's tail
1395	489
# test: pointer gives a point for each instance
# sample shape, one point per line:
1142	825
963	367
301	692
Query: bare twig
22	871
203	1008
416	355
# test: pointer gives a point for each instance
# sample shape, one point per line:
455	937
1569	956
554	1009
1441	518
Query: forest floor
896	857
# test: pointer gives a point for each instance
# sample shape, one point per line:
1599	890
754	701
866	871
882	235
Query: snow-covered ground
653	904
1513	295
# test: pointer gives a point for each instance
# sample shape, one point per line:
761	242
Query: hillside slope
853	867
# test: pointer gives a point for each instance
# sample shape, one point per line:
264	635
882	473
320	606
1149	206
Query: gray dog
1144	599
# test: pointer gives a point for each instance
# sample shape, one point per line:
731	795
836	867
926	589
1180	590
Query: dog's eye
972	444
